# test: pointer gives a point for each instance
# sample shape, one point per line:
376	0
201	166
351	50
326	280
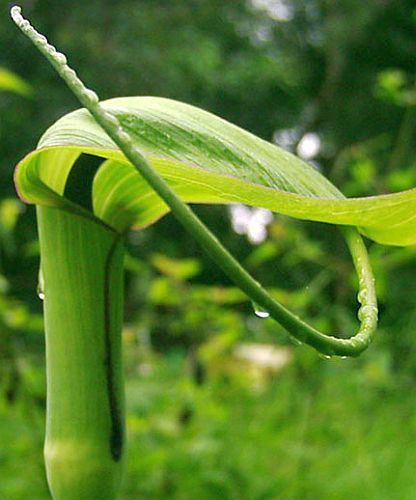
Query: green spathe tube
82	267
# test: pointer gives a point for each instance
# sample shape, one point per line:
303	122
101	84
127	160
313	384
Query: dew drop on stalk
362	295
91	96
40	292
325	356
52	50
124	136
111	118
70	73
42	39
60	58
260	312
367	311
40	287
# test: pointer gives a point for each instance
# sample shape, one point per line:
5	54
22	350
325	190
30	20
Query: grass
335	430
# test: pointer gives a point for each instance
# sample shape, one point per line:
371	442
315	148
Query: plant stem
82	267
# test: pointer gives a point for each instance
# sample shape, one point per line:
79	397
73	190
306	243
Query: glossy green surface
205	160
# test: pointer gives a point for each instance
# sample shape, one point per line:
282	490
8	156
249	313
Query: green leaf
206	160
11	82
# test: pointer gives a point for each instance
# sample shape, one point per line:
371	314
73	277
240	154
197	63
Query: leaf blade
206	160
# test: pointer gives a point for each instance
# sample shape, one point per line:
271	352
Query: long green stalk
82	267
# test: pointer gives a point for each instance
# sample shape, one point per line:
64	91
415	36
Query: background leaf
11	82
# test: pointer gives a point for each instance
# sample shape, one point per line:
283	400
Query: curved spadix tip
16	14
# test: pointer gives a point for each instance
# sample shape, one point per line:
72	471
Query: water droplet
362	295
91	96
40	292
124	136
70	73
260	312
60	58
16	12
52	50
40	287
42	39
367	311
111	118
325	356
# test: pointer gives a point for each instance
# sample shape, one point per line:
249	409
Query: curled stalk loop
326	344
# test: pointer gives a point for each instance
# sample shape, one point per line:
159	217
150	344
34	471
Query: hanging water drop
111	118
260	312
91	96
60	58
42	39
362	295
40	288
40	292
325	356
70	73
367	312
124	136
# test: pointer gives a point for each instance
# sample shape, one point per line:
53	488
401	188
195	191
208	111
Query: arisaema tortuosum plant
157	155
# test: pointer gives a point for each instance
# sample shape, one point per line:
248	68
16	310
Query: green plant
204	159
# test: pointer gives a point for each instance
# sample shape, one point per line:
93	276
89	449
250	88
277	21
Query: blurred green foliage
13	83
203	421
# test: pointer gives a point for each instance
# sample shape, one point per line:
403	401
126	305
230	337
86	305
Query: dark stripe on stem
116	437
